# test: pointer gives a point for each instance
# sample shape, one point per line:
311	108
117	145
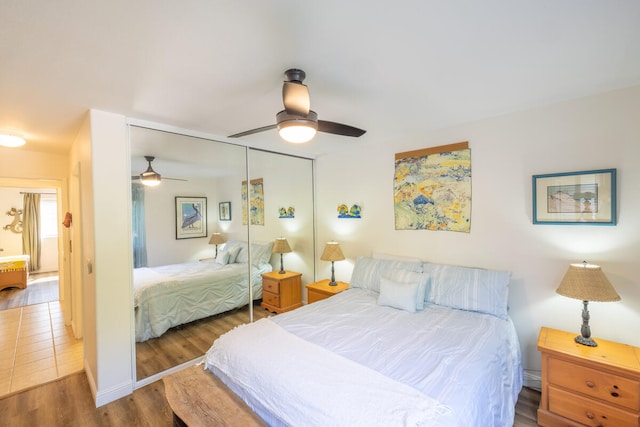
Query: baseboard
533	379
107	396
114	393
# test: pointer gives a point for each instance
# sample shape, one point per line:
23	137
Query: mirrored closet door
204	233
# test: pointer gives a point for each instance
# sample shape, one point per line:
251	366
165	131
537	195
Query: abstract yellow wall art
432	189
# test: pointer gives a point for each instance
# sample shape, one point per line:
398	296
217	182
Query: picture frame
575	198
224	211
191	217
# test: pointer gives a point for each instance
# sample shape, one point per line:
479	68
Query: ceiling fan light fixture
11	140
150	177
297	129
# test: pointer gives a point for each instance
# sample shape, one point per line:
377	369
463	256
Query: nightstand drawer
271	299
587	411
272	286
600	385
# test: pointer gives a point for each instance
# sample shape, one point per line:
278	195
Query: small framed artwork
579	198
191	217
224	211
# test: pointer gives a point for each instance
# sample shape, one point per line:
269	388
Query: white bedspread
171	295
305	385
467	361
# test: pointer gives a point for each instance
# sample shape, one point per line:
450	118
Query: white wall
598	132
107	263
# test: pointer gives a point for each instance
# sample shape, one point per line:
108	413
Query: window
48	216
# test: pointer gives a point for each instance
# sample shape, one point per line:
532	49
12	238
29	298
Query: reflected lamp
281	246
217	239
332	252
586	282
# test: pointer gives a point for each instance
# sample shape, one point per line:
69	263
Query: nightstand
281	292
321	290
593	386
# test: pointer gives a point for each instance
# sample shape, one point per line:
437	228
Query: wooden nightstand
321	290
593	386
281	292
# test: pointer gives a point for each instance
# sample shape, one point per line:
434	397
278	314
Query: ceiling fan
150	177
297	122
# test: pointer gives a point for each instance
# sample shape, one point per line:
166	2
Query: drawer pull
590	415
590	384
615	394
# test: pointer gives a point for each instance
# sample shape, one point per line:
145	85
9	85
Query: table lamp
281	246
586	282
217	239
332	252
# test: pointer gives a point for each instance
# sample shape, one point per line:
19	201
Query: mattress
467	364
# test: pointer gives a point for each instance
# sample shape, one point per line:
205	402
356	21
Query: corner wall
597	132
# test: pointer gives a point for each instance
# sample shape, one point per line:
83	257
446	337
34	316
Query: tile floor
36	347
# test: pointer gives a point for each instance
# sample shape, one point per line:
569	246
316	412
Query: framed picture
191	217
224	211
581	198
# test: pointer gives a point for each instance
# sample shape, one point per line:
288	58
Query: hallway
36	347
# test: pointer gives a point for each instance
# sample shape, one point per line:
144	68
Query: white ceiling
392	68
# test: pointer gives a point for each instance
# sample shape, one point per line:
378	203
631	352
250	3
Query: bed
14	271
171	295
409	343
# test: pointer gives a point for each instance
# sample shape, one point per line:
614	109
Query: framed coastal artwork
575	198
191	217
224	211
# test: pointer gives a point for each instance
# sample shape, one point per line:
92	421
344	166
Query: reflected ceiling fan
297	122
150	177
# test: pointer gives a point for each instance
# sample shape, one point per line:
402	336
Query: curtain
139	233
31	229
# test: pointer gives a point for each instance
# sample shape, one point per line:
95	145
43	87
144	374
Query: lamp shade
332	252
587	282
281	246
217	239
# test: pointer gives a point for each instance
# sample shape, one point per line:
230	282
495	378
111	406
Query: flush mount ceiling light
150	177
11	140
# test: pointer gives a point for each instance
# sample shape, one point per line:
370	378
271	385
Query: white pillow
398	295
368	271
471	289
222	258
422	279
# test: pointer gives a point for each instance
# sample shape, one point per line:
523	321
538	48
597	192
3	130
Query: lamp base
333	283
585	341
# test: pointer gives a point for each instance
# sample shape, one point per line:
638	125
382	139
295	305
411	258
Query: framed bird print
191	217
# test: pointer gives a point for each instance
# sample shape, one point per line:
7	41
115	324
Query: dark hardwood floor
187	342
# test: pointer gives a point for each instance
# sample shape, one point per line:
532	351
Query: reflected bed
172	295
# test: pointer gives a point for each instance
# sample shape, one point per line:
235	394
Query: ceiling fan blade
339	129
295	97
252	131
136	177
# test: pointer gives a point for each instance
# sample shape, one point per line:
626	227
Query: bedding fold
268	363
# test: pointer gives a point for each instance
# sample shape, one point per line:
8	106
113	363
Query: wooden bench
199	398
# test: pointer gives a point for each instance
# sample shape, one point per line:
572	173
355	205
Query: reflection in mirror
184	295
282	207
180	310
